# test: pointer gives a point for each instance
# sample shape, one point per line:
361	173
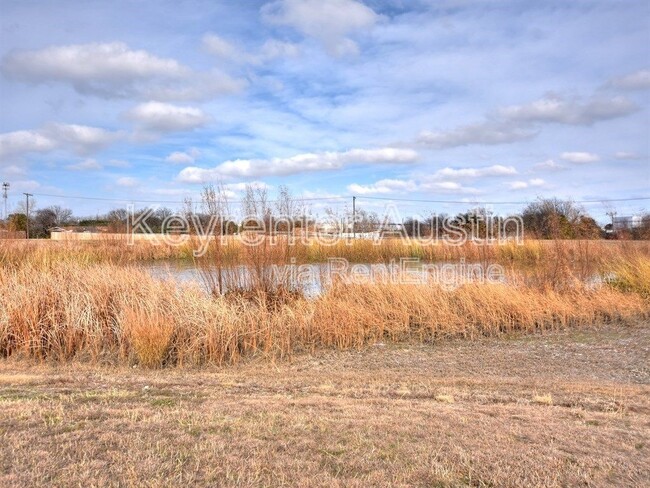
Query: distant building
627	223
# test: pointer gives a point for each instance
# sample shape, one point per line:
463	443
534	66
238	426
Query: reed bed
585	254
111	313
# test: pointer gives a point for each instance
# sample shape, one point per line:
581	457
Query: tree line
543	219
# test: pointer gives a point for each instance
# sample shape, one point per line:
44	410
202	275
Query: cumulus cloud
25	185
199	86
639	80
113	70
331	22
226	50
383	187
300	163
627	155
79	139
127	181
462	173
521	122
82	139
554	108
447	187
183	157
577	157
548	165
158	117
274	48
218	46
521	185
13	171
445	180
392	186
24	141
489	132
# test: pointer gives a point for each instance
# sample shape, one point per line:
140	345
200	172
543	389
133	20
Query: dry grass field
532	252
111	377
565	408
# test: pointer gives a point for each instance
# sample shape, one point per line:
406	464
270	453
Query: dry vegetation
364	385
555	409
592	253
112	313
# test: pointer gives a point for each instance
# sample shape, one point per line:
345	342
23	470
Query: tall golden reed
113	313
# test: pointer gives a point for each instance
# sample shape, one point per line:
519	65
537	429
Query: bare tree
212	263
62	216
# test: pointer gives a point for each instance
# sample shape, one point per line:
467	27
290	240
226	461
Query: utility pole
27	195
5	190
354	217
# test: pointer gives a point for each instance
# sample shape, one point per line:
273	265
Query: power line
470	202
343	197
131	200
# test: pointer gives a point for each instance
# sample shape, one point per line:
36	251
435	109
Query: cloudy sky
459	100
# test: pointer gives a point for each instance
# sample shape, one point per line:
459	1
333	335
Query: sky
464	101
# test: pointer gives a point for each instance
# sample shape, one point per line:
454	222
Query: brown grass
344	419
113	313
580	255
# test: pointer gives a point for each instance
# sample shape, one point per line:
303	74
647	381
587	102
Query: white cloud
198	86
627	155
82	139
113	70
86	63
13	171
300	163
90	68
271	49
489	132
548	165
639	80
554	108
331	22
463	173
85	165
23	142
391	186
445	180
521	185
218	46
447	187
79	139
518	185
127	181
184	157
580	157
383	186
521	122
25	185
158	117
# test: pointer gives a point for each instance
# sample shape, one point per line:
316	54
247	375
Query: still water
312	279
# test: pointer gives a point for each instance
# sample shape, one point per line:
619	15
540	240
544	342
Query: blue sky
459	100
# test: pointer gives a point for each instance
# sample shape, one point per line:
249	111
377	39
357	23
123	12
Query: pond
312	279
